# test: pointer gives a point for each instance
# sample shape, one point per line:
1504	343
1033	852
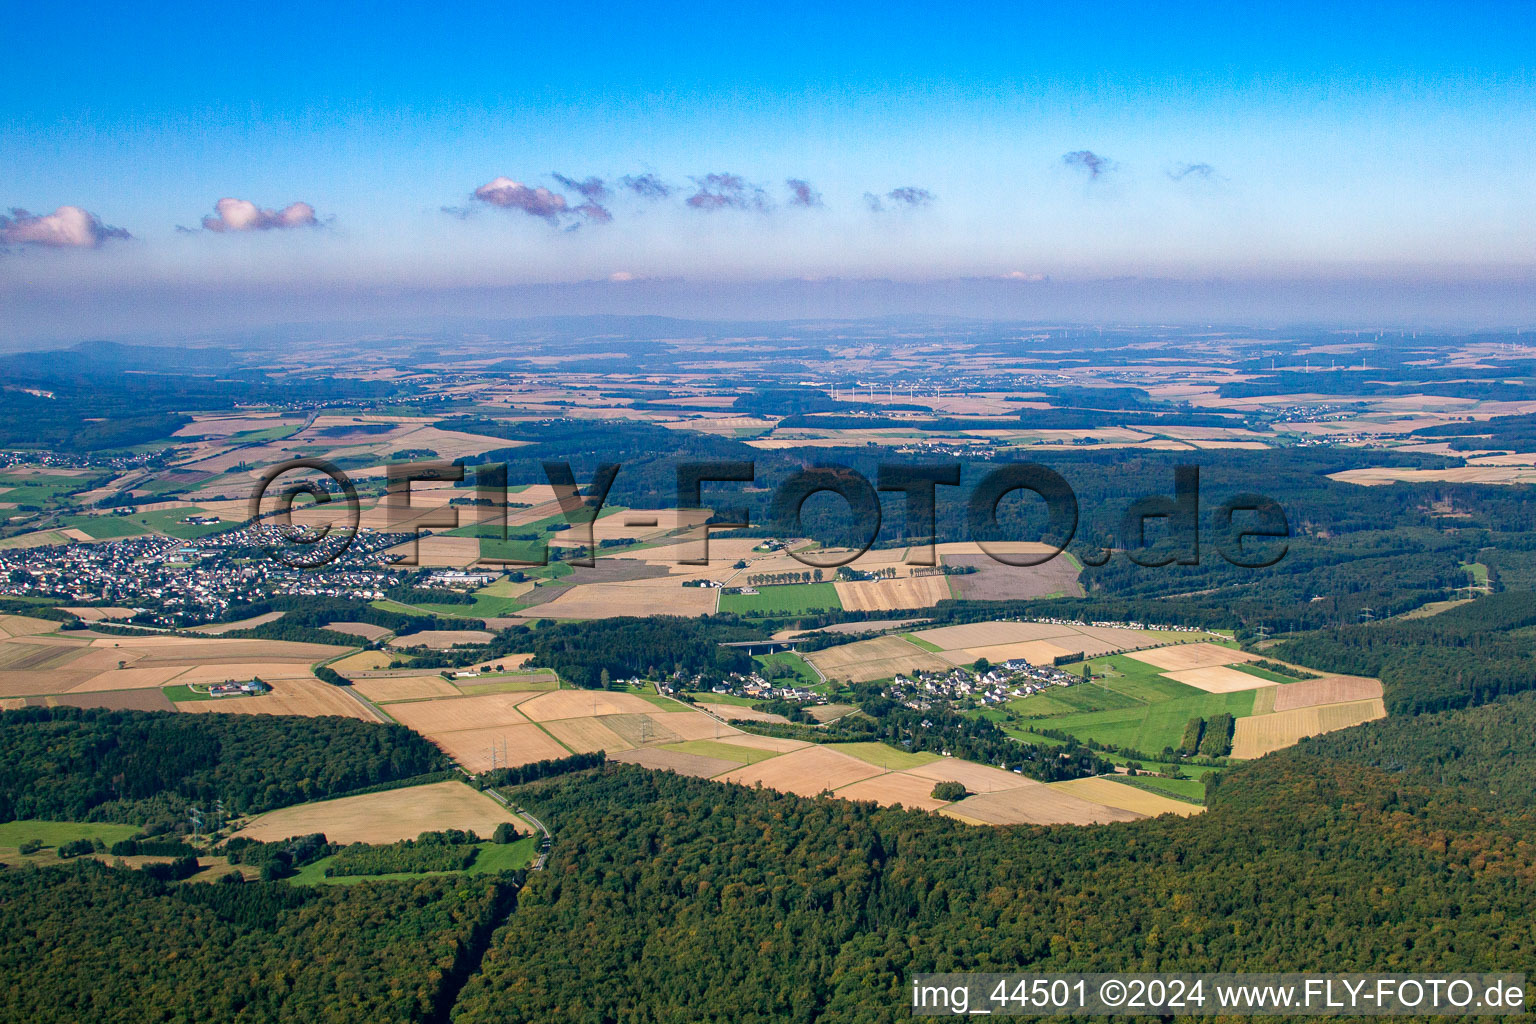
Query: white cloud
68	227
244	215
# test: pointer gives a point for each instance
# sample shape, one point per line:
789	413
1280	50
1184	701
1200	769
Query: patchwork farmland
1142	702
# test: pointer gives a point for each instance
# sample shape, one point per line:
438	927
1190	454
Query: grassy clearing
52	833
493	857
1190	790
796	664
721	751
788	599
1137	680
882	756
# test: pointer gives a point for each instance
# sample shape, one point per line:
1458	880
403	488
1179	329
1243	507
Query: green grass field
723	751
882	756
169	522
788	599
706	697
103	527
796	664
1151	727
276	433
1264	673
924	644
1191	790
1126	703
52	833
1137	679
493	857
486	606
30	489
1071	700
179	694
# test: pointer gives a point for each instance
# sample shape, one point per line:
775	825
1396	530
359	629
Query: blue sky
1282	143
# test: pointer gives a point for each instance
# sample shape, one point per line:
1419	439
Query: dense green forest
91	943
134	766
651	648
1464	656
669	898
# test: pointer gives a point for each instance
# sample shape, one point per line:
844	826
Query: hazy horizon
1300	165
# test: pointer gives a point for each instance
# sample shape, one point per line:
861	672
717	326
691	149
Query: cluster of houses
181	583
996	685
230	688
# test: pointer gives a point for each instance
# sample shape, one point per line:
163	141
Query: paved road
549	840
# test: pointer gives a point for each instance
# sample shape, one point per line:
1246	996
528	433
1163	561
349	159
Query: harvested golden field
1126	797
674	761
214	650
880	658
737	713
438	551
525	681
513	745
366	630
747	739
662	596
910	791
381	689
96	614
386	817
442	639
1327	690
1036	652
1218	679
307	697
978	778
431	717
807	772
129	679
25	625
690	725
1196	655
1492	474
824	713
218	673
990	634
632	525
33	663
647	730
1034	804
1257	735
892	595
547	707
363	661
220	628
585	735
